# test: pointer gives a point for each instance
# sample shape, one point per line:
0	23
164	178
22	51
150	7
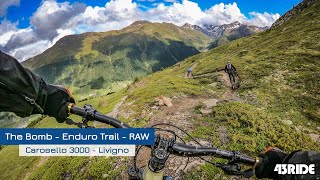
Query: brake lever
231	169
82	125
88	116
248	173
235	169
70	122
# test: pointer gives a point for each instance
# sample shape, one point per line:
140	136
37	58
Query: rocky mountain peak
187	25
235	29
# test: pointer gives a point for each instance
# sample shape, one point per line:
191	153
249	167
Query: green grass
249	130
77	168
13	166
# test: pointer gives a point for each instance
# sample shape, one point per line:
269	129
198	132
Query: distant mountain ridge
225	33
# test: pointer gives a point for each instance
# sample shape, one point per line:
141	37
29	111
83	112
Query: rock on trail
208	105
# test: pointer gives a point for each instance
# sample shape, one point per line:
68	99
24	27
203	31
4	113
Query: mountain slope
296	10
279	84
93	61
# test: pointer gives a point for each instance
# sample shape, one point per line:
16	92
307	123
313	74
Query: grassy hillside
8	120
95	63
276	105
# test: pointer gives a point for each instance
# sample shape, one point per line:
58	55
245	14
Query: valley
94	64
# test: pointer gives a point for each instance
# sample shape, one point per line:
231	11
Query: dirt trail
182	114
226	82
225	79
115	111
194	66
230	94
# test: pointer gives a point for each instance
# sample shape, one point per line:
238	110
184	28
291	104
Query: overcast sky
29	29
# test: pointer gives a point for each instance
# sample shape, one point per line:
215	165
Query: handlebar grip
75	110
259	161
191	151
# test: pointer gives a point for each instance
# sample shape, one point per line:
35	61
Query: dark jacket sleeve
225	69
303	157
20	89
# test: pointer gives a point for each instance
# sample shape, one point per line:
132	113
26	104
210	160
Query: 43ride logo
297	169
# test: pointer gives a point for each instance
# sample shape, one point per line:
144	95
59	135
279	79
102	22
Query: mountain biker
189	72
232	72
25	93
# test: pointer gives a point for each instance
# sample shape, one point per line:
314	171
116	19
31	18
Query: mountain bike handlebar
177	148
194	151
164	147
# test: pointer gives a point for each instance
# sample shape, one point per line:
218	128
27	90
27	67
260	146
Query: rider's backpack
229	68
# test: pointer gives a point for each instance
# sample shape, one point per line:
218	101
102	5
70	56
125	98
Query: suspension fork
159	155
160	152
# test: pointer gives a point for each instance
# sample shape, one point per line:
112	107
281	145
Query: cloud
21	38
4	4
171	1
47	26
146	0
7	29
116	14
26	50
262	19
53	20
177	13
188	11
5	37
222	14
6	26
155	4
51	16
29	50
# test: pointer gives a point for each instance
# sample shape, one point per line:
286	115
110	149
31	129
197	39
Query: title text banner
137	136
